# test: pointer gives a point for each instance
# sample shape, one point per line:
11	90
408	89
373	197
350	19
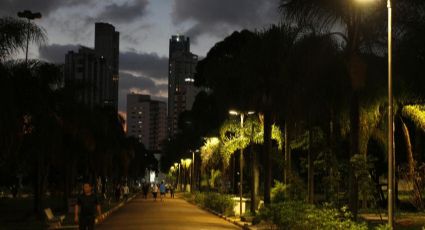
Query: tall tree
14	34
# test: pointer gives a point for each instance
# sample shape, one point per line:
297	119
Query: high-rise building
87	73
146	120
95	71
181	89
107	45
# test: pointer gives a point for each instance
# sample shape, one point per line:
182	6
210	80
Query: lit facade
181	89
146	120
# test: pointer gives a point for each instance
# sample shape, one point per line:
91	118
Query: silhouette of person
85	209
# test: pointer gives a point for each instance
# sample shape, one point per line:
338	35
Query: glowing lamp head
233	112
365	1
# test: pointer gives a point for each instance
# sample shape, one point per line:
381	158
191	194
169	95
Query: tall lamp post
390	153
193	177
29	16
242	116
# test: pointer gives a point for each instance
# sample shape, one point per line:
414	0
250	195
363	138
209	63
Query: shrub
199	198
278	192
221	203
299	215
188	196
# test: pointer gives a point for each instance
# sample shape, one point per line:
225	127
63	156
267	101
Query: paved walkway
170	214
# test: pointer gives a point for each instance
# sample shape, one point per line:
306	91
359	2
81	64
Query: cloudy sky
145	27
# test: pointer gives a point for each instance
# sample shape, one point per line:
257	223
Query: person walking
171	190
126	191
155	191
162	190
117	193
86	207
145	189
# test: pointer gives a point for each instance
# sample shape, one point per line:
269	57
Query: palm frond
13	35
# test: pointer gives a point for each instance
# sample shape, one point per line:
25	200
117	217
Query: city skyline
145	28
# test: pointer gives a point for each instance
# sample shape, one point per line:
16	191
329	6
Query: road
170	214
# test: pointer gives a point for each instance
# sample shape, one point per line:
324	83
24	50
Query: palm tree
247	71
14	35
317	75
346	16
363	32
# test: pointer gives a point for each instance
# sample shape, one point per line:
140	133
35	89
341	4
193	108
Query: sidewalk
163	215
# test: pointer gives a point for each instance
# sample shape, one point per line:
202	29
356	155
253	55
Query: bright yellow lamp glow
233	112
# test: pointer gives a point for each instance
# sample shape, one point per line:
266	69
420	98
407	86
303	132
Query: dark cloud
11	7
124	13
138	71
221	16
131	83
146	64
55	53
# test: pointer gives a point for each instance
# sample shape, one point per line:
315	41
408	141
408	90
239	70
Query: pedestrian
117	193
155	191
126	192
145	189
86	207
162	190
171	191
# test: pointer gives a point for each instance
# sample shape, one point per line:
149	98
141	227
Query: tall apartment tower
146	121
86	71
107	46
181	89
95	71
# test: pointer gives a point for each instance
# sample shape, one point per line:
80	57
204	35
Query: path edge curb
243	226
105	215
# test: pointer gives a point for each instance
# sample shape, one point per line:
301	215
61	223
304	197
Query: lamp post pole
391	164
241	168
391	161
242	116
192	185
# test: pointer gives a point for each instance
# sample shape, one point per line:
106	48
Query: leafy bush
223	204
299	215
383	227
188	196
199	198
218	202
278	192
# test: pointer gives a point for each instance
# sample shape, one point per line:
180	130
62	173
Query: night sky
145	27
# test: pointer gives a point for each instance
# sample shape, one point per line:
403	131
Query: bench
52	220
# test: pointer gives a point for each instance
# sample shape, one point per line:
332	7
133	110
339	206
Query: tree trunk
410	160
232	172
287	171
267	157
417	195
255	186
310	170
354	149
331	188
255	176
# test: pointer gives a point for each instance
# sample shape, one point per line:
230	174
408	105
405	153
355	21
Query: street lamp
390	119
29	16
193	170
242	115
